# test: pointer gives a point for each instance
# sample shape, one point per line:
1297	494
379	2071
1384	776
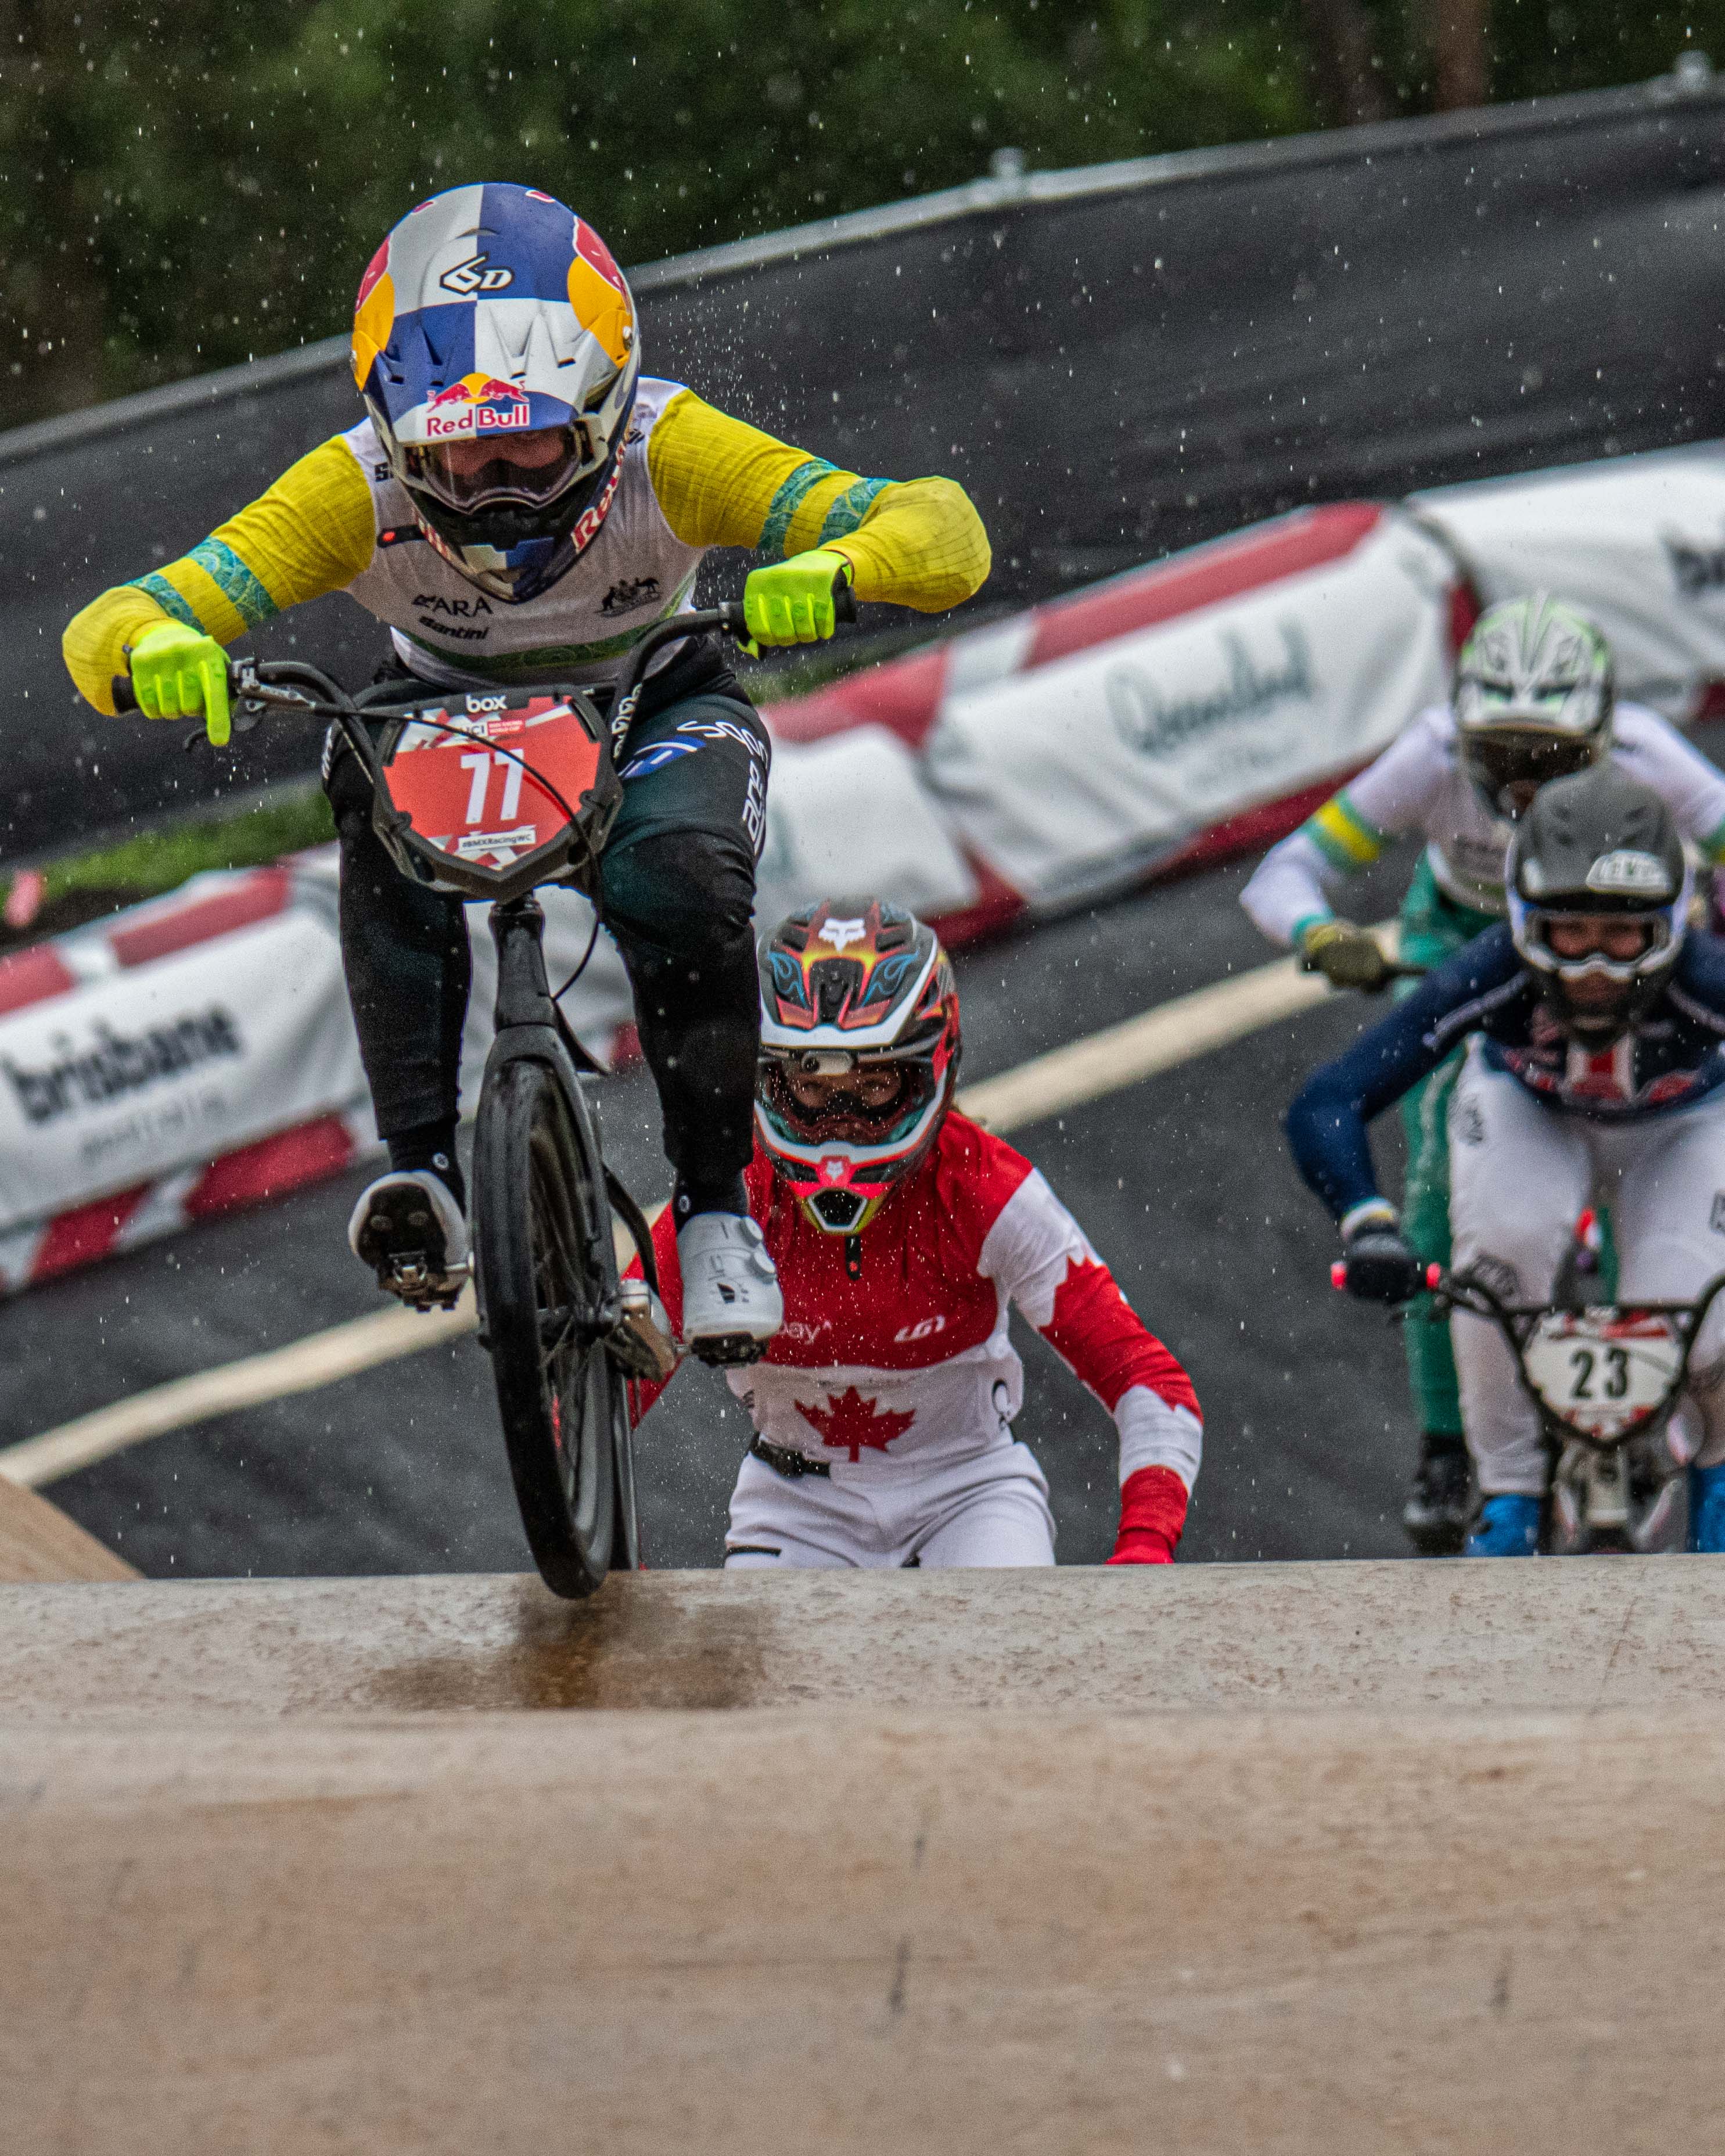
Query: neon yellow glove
792	601
1346	956
179	672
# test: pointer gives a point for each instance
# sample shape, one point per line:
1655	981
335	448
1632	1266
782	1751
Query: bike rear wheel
542	1244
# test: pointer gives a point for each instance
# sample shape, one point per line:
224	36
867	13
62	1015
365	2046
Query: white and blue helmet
493	315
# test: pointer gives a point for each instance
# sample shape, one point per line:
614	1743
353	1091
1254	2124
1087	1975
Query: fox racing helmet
1599	845
493	318
1534	698
859	1052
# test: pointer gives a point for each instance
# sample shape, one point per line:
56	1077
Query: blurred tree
1461	53
188	182
1346	70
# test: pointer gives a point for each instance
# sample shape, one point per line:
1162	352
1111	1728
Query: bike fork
523	990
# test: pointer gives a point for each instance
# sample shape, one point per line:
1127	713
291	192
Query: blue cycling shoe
1509	1527
1706	1509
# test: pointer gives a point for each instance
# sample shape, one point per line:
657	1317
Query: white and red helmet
849	989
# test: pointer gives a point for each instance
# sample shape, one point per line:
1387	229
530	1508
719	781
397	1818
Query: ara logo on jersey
476	404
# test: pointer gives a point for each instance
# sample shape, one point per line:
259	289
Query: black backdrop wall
1116	361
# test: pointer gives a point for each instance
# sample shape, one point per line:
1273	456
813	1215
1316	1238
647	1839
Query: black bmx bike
492	795
1606	1379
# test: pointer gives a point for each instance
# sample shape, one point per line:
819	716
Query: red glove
1153	1511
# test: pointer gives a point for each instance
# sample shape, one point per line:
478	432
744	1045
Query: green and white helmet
1534	697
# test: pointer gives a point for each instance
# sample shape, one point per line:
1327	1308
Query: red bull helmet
495	345
860	1048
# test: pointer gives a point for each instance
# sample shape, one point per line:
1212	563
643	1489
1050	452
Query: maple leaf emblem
850	1423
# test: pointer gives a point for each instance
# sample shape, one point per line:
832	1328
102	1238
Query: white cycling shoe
732	1303
408	1228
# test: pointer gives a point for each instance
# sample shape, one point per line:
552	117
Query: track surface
1311	1859
1182	1181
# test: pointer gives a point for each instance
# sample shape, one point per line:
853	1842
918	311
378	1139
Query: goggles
1623	947
811	1097
525	471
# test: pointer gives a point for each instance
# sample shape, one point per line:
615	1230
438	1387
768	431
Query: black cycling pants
678	891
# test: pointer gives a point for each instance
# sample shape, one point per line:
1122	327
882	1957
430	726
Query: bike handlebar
1339	1276
327	700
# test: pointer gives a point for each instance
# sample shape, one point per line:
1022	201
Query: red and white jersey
911	1359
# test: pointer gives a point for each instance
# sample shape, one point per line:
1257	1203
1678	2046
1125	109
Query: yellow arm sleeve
722	483
312	532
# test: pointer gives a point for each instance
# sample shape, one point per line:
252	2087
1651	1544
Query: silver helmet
1598	900
1534	698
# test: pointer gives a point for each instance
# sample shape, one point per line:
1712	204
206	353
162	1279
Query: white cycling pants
1520	1174
990	1508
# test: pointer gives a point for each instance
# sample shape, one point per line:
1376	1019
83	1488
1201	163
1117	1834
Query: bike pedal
408	1277
728	1351
640	1342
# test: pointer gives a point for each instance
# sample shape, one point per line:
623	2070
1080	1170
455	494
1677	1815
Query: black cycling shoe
1441	1503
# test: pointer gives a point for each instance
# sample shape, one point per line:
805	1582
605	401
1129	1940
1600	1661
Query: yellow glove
180	673
1344	954
792	601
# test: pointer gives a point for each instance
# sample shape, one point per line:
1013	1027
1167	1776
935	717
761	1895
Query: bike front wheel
541	1234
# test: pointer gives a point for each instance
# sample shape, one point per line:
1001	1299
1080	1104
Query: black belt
784	1461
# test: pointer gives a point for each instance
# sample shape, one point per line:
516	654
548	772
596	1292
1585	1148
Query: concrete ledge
846	1930
38	1543
1575	1634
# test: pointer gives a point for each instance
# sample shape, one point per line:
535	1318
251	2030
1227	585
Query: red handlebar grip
1338	1273
1434	1275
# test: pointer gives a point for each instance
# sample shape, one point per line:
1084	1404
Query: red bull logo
476	404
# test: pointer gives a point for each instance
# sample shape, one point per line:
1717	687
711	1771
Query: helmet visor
488	470
1510	765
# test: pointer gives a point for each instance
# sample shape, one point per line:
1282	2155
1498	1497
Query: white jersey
632	574
1418	784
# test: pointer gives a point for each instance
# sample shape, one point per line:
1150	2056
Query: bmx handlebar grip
126	697
844	601
1338	1273
1434	1276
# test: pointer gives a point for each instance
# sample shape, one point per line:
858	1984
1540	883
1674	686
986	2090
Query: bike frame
1518	1322
544	1292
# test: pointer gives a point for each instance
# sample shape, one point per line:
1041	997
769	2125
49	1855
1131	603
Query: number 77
480	764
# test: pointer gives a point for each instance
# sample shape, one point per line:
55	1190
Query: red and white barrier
1179	713
194	1055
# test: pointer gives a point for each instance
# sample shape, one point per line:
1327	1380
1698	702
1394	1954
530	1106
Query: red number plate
500	785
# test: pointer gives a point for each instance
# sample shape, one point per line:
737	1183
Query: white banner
851	816
1639	543
1077	777
138	1070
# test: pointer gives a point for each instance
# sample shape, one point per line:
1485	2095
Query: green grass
158	861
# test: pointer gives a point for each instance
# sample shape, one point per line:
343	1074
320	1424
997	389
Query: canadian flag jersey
911	1360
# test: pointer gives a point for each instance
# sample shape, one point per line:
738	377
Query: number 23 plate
1603	1374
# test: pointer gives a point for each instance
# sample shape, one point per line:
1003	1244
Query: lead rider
521	505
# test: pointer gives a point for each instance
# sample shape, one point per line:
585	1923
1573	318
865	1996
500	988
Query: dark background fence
1116	361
